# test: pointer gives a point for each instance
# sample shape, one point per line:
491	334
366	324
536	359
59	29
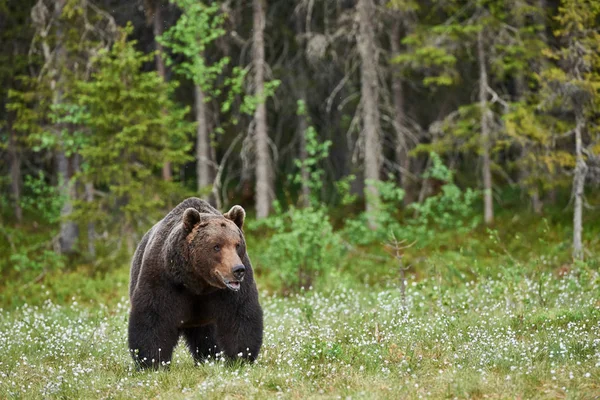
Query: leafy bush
41	200
386	217
31	251
304	245
449	210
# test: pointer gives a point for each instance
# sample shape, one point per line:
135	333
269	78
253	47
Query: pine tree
130	138
573	85
67	35
483	35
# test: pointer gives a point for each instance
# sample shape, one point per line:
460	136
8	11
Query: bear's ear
237	215
191	217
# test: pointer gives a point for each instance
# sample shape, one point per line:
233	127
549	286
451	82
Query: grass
531	337
493	313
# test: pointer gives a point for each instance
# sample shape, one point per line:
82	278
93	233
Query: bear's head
215	247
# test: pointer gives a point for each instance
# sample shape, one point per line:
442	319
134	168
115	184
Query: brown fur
179	286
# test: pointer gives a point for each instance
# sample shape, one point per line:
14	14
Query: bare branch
217	181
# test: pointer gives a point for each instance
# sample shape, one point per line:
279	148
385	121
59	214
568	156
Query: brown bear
191	276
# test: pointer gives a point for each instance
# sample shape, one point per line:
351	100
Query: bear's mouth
233	285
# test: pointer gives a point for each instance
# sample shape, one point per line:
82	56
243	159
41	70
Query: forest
406	167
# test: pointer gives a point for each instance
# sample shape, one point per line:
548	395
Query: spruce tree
130	138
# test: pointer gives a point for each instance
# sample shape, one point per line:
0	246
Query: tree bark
302	127
15	175
91	231
203	170
157	28
370	104
485	133
578	187
68	228
264	173
402	158
302	119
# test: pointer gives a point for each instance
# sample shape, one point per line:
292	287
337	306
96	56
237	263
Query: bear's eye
217	248
237	246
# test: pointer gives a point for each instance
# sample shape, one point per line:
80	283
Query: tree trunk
157	25
578	188
68	228
264	173
15	175
203	169
302	119
402	158
302	127
91	232
370	105
485	133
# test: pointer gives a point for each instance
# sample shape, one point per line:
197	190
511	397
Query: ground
491	338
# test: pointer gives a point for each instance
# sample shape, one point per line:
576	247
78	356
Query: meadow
428	306
535	336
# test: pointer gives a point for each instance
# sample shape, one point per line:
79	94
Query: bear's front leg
240	332
201	342
152	338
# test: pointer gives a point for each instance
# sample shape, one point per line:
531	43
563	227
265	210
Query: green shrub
303	245
386	218
41	200
30	252
451	210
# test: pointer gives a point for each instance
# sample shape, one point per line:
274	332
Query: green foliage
135	127
29	105
194	33
316	152
30	253
41	200
251	102
303	246
451	210
197	28
30	250
573	83
439	64
386	218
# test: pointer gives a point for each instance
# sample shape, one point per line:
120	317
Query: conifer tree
130	139
573	85
67	35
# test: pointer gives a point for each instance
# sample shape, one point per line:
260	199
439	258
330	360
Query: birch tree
488	205
264	168
191	36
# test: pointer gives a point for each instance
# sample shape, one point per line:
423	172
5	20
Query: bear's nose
239	271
